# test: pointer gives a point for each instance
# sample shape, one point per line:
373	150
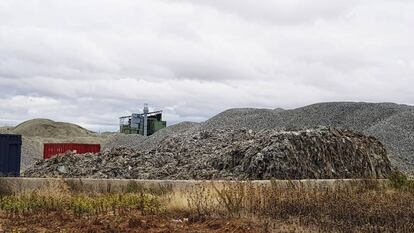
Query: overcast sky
91	61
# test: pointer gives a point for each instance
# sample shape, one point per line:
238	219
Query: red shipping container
52	149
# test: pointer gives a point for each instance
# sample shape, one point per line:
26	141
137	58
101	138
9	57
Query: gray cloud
89	62
284	12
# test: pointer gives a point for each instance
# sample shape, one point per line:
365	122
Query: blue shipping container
10	153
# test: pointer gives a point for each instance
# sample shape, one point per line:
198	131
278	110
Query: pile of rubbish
320	153
392	124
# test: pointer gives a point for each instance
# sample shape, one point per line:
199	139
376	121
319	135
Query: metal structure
10	154
52	149
145	123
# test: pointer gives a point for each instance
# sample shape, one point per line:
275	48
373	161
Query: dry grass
360	206
57	197
363	206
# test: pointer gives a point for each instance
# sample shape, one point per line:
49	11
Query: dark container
10	154
52	149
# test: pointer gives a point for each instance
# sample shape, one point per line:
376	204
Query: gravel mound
240	154
354	116
5	129
32	151
391	123
239	118
397	132
123	140
139	142
50	129
183	128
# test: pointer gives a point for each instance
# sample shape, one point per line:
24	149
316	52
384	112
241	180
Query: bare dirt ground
132	222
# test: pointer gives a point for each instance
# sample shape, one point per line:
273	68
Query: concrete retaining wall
9	185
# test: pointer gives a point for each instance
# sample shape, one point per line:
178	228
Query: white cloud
91	61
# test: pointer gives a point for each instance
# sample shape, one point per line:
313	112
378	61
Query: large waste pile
235	154
392	124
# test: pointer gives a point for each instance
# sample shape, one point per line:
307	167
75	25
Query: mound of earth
50	129
321	153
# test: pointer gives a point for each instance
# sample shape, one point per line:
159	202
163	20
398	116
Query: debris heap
320	153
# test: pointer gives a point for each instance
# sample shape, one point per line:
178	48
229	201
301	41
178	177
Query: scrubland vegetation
357	206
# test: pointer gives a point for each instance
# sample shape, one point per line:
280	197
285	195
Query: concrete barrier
9	185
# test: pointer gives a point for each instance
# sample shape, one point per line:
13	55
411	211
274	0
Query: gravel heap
235	154
123	140
397	133
6	129
139	142
351	115
50	129
32	151
392	124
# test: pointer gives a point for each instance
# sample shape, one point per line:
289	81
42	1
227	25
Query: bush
400	181
200	201
80	204
231	196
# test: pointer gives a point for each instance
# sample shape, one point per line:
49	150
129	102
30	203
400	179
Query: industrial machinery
145	123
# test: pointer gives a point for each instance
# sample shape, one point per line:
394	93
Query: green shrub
80	204
400	181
